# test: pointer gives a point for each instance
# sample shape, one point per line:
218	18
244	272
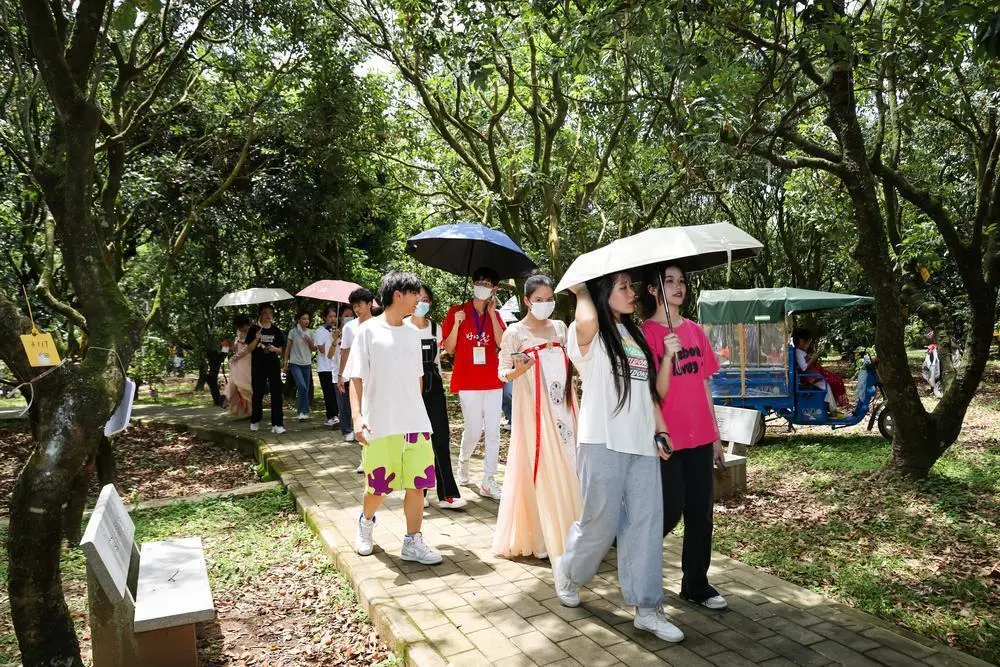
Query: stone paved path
476	609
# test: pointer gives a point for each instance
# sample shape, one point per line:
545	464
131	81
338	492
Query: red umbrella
329	290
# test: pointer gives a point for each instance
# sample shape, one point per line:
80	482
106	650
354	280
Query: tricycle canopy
750	306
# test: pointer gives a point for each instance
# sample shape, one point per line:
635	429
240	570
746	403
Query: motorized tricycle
750	331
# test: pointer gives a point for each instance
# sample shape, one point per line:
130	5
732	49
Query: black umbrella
462	248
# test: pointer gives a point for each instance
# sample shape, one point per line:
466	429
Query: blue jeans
621	498
508	399
301	374
344	408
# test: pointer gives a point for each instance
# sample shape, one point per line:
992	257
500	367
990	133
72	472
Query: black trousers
266	377
329	393
688	487
437	411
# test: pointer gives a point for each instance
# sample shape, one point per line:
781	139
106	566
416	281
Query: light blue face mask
422	309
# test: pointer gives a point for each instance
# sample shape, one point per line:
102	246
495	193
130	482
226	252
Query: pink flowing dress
238	389
541	491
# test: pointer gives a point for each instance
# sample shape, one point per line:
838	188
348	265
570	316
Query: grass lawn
924	555
278	598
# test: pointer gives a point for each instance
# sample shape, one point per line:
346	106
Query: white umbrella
694	248
254	295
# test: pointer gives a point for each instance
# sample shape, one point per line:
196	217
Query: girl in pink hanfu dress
238	390
541	490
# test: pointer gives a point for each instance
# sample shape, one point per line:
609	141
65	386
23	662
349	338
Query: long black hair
607	328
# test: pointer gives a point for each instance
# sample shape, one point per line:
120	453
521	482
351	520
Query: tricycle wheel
885	424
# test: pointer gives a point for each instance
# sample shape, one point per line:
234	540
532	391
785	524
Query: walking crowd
619	466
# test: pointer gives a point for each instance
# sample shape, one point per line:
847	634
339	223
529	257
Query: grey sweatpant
621	498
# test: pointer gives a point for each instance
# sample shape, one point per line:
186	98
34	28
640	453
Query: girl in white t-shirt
618	457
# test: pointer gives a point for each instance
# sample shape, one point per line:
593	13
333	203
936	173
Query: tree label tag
40	348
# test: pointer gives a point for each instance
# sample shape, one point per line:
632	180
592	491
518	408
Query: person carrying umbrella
618	455
473	332
266	342
682	347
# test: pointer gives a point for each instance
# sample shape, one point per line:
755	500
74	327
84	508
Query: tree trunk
915	445
211	377
46	501
105	461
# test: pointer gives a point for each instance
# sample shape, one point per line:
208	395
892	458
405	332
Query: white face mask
482	293
542	310
422	308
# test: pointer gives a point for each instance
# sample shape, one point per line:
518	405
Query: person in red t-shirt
472	333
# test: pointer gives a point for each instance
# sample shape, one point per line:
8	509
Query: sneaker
349	437
427	503
330	422
255	426
453	503
655	621
542	556
364	543
489	489
716	602
463	472
415	550
505	426
302	417
361	468
278	429
568	592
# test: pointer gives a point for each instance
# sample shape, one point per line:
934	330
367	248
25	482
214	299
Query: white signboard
119	420
736	424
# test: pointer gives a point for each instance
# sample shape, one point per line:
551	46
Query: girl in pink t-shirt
690	418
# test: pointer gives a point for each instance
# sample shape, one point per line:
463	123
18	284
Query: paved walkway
476	609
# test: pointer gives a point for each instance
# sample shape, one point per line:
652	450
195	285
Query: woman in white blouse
541	492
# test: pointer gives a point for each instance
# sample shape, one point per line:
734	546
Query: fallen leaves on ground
295	612
151	461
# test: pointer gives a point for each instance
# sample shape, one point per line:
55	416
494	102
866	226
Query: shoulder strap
434	329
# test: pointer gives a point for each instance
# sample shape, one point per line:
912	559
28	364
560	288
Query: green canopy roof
768	304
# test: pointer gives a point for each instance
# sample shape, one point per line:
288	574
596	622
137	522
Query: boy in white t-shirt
390	420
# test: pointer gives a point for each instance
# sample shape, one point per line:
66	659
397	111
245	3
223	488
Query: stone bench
737	427
143	605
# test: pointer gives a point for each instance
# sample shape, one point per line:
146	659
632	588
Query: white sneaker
330	422
452	503
716	602
278	429
655	621
361	468
364	543
255	426
427	503
505	426
302	416
414	549
463	472
568	592
489	489
349	437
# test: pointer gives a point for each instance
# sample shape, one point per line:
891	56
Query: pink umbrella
329	290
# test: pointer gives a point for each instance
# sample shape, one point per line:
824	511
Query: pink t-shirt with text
686	408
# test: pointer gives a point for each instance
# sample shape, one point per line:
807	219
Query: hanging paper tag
479	356
120	418
40	348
